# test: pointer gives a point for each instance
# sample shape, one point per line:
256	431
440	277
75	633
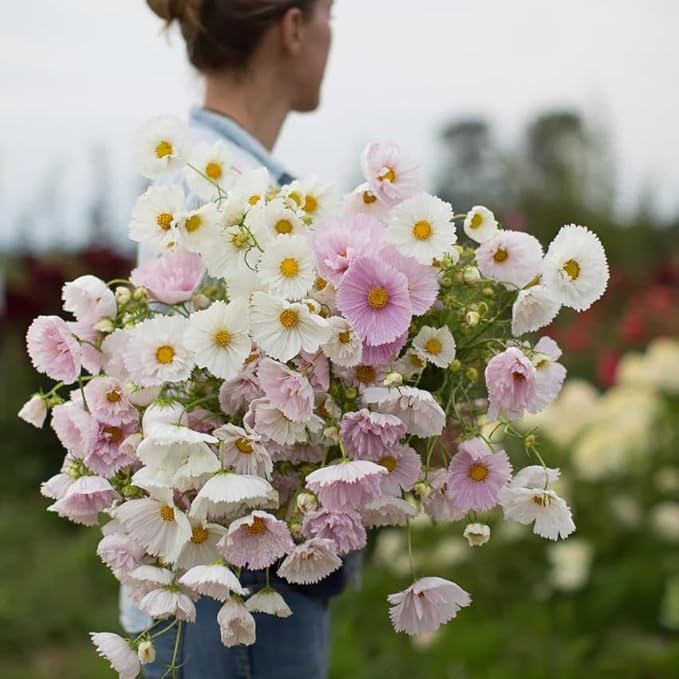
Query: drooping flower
344	348
534	308
219	337
120	553
511	383
270	422
345	529
310	562
171	278
84	499
118	652
370	435
108	401
403	465
161	145
236	624
386	510
89	299
480	224
511	257
476	534
156	216
257	541
269	601
392	177
53	349
244	452
549	374
215	580
575	267
211	171
202	547
422	227
347	485
34	411
435	345
282	328
290	391
374	298
426	605
477	475
169	602
437	502
287	267
73	427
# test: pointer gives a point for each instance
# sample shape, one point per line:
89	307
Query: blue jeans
286	648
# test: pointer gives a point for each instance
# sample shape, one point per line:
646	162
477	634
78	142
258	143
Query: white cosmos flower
480	224
233	253
219	337
510	257
251	187
274	219
118	652
271	422
167	602
214	161
200	229
288	267
344	347
244	452
161	145
422	227
477	534
435	345
236	624
156	216
268	600
363	201
311	196
215	580
282	328
550	514
575	267
34	411
387	511
155	353
534	308
202	547
155	523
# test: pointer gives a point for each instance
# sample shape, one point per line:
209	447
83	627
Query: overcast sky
74	72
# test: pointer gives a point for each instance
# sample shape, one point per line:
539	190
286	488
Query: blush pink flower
108	401
338	241
477	475
288	390
89	299
34	411
391	175
84	499
438	502
511	257
171	278
511	384
106	455
345	529
403	465
369	435
382	354
310	562
426	605
256	541
346	486
53	349
120	553
89	339
374	298
423	286
235	395
73	427
56	486
549	375
316	367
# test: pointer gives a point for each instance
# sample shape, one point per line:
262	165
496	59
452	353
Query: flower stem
410	551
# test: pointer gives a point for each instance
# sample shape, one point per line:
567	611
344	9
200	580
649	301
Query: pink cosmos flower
89	299
345	486
386	510
549	375
105	456
477	475
84	499
310	562
426	605
288	390
256	541
438	502
423	286
89	339
511	257
391	176
316	367
171	278
243	451
511	384
53	349
369	435
345	529
120	553
383	354
374	298
73	427
338	241
403	465
56	486
235	395
118	652
107	400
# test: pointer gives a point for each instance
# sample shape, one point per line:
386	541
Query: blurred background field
592	140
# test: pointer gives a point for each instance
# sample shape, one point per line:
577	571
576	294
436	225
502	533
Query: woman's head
238	36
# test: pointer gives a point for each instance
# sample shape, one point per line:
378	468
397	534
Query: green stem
410	551
173	666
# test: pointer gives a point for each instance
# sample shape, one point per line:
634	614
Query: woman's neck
255	104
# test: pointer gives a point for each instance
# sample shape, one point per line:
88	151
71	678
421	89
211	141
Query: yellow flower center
288	318
164	149
378	298
254	199
222	338
541	500
366	374
113	396
310	204
257	527
164	354
433	346
193	223
477	221
167	513
344	337
214	170
283	226
500	255
114	434
164	221
388	175
422	230
199	536
369	197
572	268
244	446
289	267
320	283
478	472
389	463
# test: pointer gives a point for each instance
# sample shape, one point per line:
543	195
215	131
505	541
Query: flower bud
422	489
471	275
123	295
105	325
530	440
146	652
393	379
34	411
296	529
477	534
331	433
449	300
446	281
140	294
472	374
351	393
472	318
488	292
200	302
455	366
307	502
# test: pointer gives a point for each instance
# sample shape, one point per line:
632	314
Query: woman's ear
292	27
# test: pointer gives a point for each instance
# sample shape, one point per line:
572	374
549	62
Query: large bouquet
293	369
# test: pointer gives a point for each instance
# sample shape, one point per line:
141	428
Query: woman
260	60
